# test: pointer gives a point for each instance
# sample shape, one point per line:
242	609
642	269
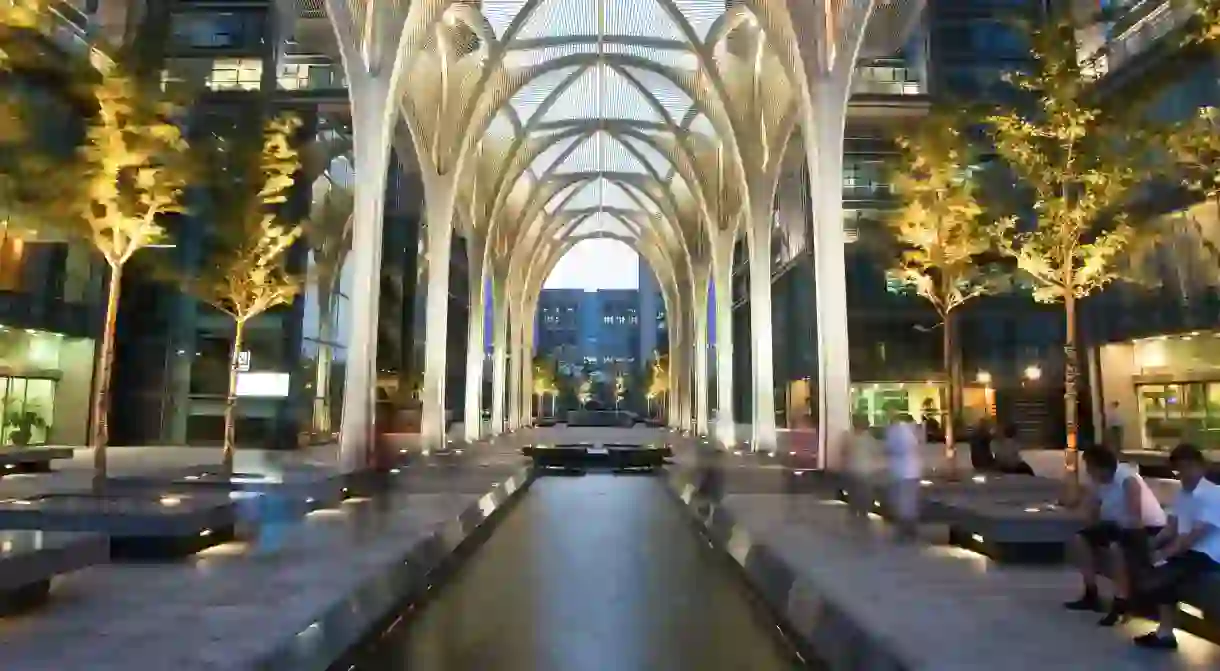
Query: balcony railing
1140	35
894	80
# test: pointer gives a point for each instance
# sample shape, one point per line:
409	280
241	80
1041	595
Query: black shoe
1153	641
1088	602
1117	614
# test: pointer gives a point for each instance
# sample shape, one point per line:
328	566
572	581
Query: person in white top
1123	516
864	464
1187	548
905	469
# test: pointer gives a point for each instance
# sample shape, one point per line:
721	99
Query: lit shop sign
262	385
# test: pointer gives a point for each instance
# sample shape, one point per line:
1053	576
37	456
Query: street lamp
1033	372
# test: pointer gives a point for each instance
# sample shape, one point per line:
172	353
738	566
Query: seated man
1007	452
1124	514
1187	548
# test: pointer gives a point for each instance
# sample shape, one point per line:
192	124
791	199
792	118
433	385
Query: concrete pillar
722	294
825	154
372	125
758	245
473	415
439	192
499	336
699	317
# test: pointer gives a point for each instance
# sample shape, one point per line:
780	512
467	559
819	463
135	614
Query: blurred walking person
865	464
905	468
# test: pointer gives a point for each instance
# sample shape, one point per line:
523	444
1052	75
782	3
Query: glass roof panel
558	18
527	100
602	223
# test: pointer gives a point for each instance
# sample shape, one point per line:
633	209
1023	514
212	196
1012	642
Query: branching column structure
820	43
377	42
760	106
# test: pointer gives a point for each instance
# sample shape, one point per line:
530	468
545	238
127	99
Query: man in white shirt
1187	548
905	469
1123	516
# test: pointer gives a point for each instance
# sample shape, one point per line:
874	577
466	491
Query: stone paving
939	607
226	606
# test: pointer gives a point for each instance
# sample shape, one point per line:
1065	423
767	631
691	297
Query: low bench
35	459
139	524
30	560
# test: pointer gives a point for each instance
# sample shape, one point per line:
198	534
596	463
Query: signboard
262	385
243	361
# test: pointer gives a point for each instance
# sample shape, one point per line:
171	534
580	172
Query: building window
236	74
217	30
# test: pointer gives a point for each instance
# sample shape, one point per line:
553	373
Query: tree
940	228
1194	148
114	192
545	378
658	377
246	273
1077	163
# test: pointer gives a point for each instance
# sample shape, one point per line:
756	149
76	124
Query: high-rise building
239	64
957	56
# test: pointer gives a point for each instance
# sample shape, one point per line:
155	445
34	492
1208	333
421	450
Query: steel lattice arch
665	124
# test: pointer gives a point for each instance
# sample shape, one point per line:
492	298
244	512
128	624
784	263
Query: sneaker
1153	641
1088	602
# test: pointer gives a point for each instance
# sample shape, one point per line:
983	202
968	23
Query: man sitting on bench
1187	548
1124	514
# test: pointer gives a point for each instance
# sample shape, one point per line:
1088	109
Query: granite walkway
918	607
230	606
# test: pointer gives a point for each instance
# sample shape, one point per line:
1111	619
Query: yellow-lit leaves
938	222
1079	165
246	274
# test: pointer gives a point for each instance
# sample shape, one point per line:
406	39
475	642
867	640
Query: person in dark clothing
1007	454
981	457
1187	549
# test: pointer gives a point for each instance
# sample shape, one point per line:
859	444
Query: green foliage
1194	148
1078	162
130	172
546	380
939	223
246	273
1206	25
658	376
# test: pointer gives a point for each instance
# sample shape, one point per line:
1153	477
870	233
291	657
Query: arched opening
599	323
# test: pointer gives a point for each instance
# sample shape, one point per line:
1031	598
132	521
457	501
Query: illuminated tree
1194	148
1077	163
114	193
1206	25
658	377
939	227
246	273
545	378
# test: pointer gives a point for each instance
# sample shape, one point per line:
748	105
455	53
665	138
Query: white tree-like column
821	42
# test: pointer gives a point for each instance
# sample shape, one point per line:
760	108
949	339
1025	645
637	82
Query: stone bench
138	524
30	560
31	459
1017	529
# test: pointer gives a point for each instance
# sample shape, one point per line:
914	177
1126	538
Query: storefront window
28	405
1172	413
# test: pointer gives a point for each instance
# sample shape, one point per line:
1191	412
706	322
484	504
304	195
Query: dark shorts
1104	534
1167	583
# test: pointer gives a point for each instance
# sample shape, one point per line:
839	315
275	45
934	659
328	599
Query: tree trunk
239	328
1070	393
951	394
99	433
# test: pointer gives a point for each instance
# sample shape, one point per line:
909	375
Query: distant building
600	330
